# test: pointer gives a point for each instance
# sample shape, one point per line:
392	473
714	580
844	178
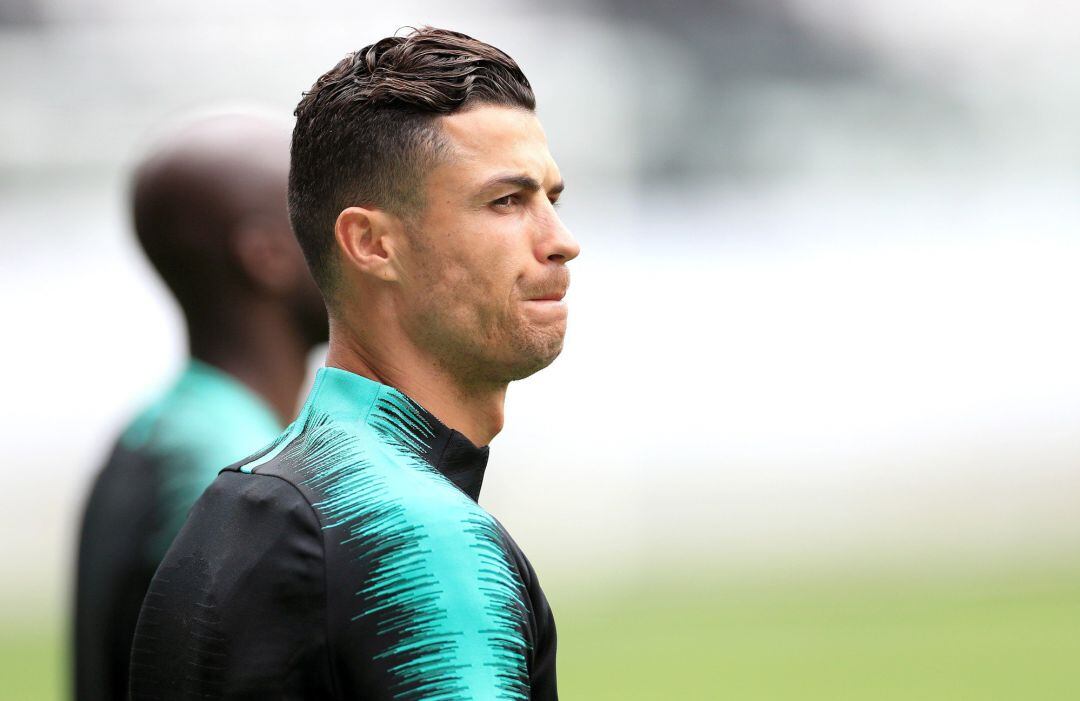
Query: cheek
484	301
474	282
488	272
462	295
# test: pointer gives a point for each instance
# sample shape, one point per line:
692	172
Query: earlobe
364	239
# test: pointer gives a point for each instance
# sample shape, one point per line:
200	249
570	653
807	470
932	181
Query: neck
259	348
474	411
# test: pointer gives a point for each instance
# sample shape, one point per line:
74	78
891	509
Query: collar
399	420
206	380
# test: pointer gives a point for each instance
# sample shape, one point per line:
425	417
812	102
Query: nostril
557	258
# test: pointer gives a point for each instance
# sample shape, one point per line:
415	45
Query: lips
550	288
549	297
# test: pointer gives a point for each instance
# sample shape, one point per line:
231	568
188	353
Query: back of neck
261	351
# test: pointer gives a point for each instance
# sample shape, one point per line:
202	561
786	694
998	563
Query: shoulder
184	429
422	583
235	498
239	596
244	534
243	523
248	522
383	505
124	476
423	591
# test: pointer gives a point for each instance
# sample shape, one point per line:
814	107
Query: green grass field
1009	638
1006	637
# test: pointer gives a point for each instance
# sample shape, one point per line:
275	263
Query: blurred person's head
422	192
209	203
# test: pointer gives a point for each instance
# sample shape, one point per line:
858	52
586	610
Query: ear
261	255
367	241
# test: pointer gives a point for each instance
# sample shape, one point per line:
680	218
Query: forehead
489	140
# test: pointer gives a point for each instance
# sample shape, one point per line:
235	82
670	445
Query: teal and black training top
158	468
348	560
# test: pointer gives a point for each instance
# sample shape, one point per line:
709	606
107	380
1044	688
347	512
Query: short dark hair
365	133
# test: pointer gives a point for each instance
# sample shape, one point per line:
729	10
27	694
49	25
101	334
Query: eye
505	201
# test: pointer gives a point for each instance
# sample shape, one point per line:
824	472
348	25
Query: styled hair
366	132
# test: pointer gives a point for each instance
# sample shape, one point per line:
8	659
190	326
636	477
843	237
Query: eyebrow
525	183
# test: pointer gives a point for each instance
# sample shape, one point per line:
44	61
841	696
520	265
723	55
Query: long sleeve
542	677
236	608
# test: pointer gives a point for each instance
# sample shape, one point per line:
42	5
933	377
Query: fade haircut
366	132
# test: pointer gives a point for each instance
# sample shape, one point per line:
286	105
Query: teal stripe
442	588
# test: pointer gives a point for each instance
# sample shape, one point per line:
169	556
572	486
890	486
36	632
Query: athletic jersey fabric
158	468
349	560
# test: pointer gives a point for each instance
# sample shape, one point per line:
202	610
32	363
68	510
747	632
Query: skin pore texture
210	211
467	296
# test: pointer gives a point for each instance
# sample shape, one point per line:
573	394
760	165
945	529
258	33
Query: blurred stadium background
816	431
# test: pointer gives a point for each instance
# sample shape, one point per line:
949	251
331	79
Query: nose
557	245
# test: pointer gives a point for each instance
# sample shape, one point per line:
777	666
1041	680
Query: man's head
209	209
422	192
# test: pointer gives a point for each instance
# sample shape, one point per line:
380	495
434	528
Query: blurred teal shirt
206	421
162	462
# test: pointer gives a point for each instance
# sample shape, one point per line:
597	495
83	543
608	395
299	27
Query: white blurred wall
852	342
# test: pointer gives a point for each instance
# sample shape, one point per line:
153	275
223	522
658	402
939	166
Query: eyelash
512	198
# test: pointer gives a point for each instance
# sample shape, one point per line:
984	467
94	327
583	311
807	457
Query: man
351	560
210	212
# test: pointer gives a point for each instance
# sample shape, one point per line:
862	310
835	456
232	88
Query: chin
534	358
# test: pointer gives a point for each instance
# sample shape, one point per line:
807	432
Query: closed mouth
551	297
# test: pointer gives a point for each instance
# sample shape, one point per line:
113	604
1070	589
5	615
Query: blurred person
351	558
209	208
